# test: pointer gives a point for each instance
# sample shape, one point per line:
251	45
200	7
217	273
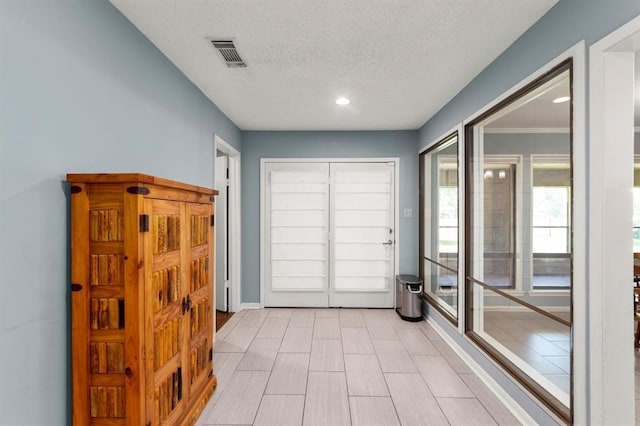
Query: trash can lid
408	279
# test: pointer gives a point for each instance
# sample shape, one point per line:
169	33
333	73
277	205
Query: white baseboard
250	306
515	408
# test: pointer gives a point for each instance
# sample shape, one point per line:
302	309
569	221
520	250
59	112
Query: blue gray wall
567	23
257	145
81	90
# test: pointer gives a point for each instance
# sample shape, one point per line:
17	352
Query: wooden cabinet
142	299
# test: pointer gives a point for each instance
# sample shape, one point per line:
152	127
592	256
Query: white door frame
611	364
222	234
235	234
263	161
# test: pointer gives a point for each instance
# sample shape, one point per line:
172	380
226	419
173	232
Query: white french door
296	237
329	234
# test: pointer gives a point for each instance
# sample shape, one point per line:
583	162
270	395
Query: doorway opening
227	231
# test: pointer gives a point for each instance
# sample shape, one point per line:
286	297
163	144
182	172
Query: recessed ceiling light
343	101
561	99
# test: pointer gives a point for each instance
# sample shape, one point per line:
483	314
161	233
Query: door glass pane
439	225
518	217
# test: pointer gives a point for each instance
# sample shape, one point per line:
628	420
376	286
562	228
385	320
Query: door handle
388	243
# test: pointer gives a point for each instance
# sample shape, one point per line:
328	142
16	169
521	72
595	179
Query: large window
439	225
518	219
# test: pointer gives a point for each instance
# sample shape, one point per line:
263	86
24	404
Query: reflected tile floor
637	384
342	367
541	342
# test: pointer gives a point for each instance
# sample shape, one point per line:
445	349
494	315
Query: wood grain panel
140	343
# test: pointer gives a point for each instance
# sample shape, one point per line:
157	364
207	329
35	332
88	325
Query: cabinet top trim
135	178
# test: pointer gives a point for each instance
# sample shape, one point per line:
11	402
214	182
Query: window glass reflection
519	225
439	225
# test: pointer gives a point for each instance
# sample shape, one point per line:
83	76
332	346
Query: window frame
542	394
439	305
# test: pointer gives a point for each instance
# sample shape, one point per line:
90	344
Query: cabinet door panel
200	317
166	289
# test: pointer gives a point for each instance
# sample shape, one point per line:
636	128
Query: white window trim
610	373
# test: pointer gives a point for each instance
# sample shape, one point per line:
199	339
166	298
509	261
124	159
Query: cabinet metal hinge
144	223
179	383
210	354
76	287
75	189
138	190
213	219
121	314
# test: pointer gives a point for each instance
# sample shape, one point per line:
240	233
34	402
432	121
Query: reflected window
499	188
518	219
636	219
636	205
439	225
551	222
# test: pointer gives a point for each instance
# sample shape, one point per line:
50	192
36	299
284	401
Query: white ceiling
399	61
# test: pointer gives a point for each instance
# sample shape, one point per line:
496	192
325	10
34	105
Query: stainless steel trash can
409	297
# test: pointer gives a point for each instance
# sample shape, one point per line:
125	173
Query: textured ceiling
399	61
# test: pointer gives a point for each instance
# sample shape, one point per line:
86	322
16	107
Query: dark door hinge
213	220
144	223
179	383
75	189
210	354
121	314
76	287
138	190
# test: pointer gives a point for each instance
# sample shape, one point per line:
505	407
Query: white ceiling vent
229	53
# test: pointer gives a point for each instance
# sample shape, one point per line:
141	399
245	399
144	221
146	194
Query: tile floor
342	367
